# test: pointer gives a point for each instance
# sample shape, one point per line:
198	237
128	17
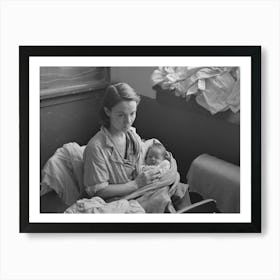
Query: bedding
63	173
98	205
217	89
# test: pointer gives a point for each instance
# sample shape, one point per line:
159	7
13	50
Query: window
61	81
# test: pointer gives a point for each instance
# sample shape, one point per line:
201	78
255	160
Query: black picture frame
254	52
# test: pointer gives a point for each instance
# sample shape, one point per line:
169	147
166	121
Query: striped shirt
103	164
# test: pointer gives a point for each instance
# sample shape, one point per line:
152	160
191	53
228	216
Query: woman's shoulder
98	140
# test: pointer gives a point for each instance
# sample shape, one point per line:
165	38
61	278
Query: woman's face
122	116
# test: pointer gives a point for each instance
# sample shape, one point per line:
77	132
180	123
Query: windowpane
57	81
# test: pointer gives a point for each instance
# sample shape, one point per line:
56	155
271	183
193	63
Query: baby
157	158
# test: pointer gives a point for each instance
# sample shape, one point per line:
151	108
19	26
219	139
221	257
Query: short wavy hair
115	94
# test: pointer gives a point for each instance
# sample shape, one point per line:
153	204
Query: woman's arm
143	179
117	190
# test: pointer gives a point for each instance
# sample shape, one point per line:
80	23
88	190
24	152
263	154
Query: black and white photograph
115	171
139	140
119	136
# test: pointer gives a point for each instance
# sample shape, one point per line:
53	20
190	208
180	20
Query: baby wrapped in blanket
167	194
156	159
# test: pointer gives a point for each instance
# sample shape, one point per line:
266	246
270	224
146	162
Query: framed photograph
140	139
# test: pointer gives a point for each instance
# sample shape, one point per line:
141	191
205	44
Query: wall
68	119
137	77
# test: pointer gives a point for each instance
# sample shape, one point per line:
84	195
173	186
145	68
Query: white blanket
63	173
98	205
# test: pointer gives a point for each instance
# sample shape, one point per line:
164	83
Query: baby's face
154	157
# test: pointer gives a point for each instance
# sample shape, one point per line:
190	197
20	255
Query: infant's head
156	154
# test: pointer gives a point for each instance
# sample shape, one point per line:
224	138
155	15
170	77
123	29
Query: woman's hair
115	94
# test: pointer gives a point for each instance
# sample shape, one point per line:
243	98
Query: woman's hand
147	177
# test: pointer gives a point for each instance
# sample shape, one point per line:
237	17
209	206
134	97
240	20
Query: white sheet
63	173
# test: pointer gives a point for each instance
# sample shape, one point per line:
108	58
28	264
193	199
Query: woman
113	156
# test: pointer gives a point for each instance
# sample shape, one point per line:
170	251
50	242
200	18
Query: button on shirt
103	165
